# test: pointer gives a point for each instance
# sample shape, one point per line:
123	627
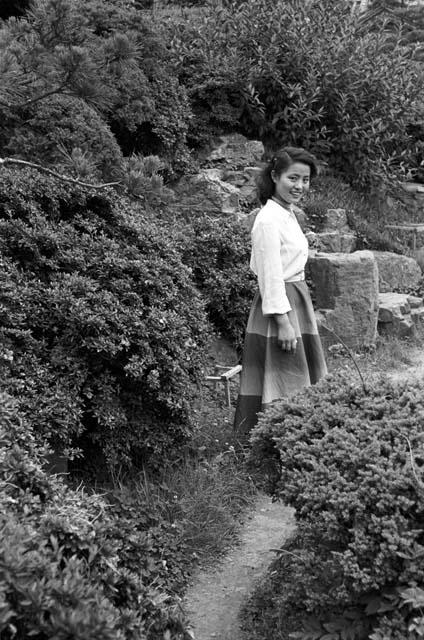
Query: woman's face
292	183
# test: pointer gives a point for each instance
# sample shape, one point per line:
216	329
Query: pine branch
53	92
59	176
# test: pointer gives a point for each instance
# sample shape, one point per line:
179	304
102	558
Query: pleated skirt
269	373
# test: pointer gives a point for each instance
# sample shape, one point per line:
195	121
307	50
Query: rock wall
356	292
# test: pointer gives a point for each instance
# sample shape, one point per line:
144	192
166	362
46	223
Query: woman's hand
286	335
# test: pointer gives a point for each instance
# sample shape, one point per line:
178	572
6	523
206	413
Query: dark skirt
268	372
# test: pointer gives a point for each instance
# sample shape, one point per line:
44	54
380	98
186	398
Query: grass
204	494
367	213
208	491
390	355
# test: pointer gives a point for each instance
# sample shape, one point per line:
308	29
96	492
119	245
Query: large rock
235	151
206	192
399	313
332	241
245	181
346	296
335	220
396	272
334	235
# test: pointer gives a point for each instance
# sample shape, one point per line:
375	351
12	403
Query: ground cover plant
349	459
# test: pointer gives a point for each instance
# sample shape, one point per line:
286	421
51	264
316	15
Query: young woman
282	351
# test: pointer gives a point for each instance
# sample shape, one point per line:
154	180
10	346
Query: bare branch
59	176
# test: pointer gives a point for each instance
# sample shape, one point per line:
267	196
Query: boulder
345	287
332	241
235	151
245	181
396	272
335	220
399	313
206	192
334	235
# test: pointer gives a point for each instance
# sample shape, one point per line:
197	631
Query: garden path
414	371
216	595
214	599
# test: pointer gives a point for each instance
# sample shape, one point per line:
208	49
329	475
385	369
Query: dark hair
280	162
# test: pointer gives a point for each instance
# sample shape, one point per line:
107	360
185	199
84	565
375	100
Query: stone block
236	151
206	192
332	241
399	314
335	220
417	315
245	181
396	272
392	305
346	296
415	302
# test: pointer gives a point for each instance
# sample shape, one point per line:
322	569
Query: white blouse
279	255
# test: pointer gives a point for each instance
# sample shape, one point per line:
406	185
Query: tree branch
34	165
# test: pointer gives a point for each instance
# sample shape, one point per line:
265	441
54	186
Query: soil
414	371
215	597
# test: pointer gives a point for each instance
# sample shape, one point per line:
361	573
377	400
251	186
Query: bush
218	252
304	74
52	129
71	564
349	460
74	72
102	328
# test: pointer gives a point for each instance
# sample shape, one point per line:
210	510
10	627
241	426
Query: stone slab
396	272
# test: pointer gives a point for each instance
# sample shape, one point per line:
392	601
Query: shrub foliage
350	461
95	55
102	329
306	74
72	564
218	253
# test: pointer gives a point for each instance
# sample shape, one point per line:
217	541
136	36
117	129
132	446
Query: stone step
399	313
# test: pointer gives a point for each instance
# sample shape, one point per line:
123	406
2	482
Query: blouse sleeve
267	258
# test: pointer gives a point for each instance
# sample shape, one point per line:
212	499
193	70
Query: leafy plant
105	329
101	61
218	253
73	564
349	461
308	76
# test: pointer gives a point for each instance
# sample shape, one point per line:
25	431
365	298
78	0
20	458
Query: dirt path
215	597
413	371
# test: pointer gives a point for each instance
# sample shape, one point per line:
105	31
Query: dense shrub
102	328
218	252
52	129
72	564
350	461
95	55
305	74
